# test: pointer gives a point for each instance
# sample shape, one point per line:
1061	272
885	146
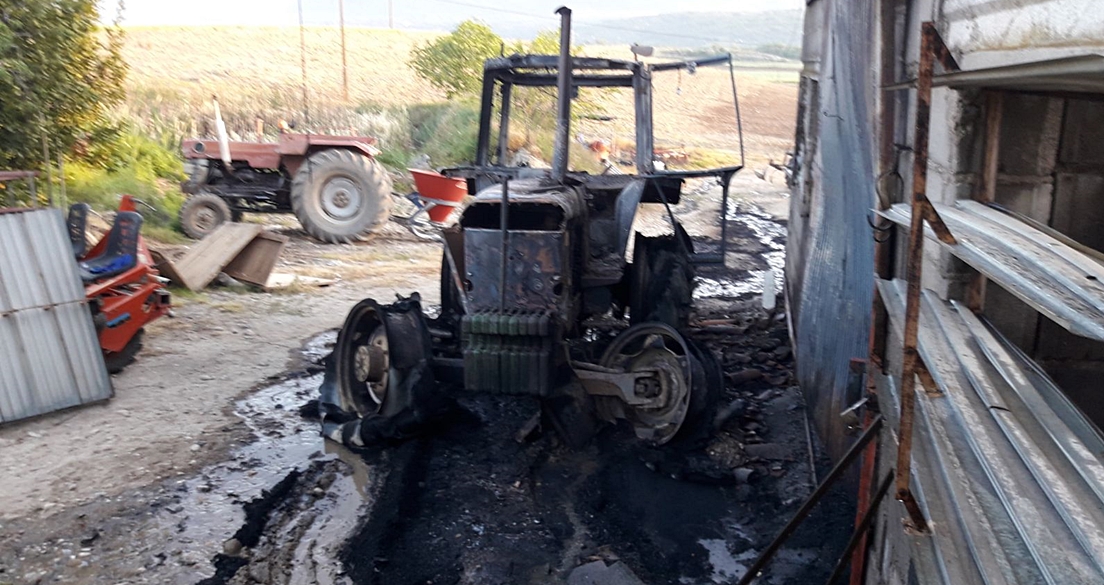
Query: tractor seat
120	253
78	224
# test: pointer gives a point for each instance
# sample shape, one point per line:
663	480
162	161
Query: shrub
133	165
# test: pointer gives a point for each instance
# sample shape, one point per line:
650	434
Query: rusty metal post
563	87
914	271
857	543
868	435
866	487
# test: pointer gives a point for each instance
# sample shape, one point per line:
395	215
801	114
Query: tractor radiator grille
508	353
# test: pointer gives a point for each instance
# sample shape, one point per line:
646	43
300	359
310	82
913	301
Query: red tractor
333	184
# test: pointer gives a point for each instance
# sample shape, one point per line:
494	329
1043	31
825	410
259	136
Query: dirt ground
201	464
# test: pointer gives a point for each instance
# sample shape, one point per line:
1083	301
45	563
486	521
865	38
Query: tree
454	62
59	76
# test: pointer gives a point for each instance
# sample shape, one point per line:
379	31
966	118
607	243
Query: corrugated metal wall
830	255
49	355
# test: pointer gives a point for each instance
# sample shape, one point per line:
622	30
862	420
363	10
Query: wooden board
280	280
202	264
257	259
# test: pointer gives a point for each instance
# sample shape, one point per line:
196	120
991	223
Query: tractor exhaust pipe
564	89
223	137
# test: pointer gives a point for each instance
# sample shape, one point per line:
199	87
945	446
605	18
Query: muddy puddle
751	232
235	506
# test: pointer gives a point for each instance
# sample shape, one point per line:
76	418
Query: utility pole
391	14
344	65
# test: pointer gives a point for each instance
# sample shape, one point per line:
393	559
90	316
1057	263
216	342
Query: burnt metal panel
50	357
829	281
534	269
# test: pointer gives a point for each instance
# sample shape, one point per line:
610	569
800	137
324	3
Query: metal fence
50	357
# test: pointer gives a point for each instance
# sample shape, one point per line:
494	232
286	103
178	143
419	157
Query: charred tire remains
201	214
379	387
340	196
663	280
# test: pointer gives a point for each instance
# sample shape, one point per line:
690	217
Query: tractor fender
295	148
625	211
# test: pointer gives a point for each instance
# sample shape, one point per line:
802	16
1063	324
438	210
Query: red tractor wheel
201	214
340	196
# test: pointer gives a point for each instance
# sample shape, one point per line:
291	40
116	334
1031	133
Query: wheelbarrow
436	197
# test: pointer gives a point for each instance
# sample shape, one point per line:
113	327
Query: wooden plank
987	186
256	261
280	280
201	264
994	113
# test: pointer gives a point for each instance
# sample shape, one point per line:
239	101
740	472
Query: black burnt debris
470	504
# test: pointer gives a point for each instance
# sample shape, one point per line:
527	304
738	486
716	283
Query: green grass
164	234
136	165
182	296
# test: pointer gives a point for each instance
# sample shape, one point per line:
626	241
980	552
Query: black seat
120	253
78	223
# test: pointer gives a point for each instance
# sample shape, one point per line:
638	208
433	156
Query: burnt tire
386	396
340	196
663	281
705	393
201	214
116	361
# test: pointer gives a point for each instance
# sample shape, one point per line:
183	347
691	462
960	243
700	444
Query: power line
580	25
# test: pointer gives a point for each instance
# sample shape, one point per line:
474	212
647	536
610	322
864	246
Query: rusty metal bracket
932	47
939	48
936	222
927	380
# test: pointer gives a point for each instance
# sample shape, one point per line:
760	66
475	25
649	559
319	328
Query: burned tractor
333	184
535	256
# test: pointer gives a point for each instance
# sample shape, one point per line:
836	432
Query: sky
521	17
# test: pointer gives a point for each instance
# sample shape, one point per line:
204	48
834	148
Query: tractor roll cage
541	71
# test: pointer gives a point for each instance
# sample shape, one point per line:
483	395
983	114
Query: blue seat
77	224
120	253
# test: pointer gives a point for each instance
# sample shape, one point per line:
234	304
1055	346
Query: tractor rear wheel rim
372	365
658	348
206	218
341	198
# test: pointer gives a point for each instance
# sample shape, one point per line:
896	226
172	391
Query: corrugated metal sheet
1011	472
830	251
1052	277
49	355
